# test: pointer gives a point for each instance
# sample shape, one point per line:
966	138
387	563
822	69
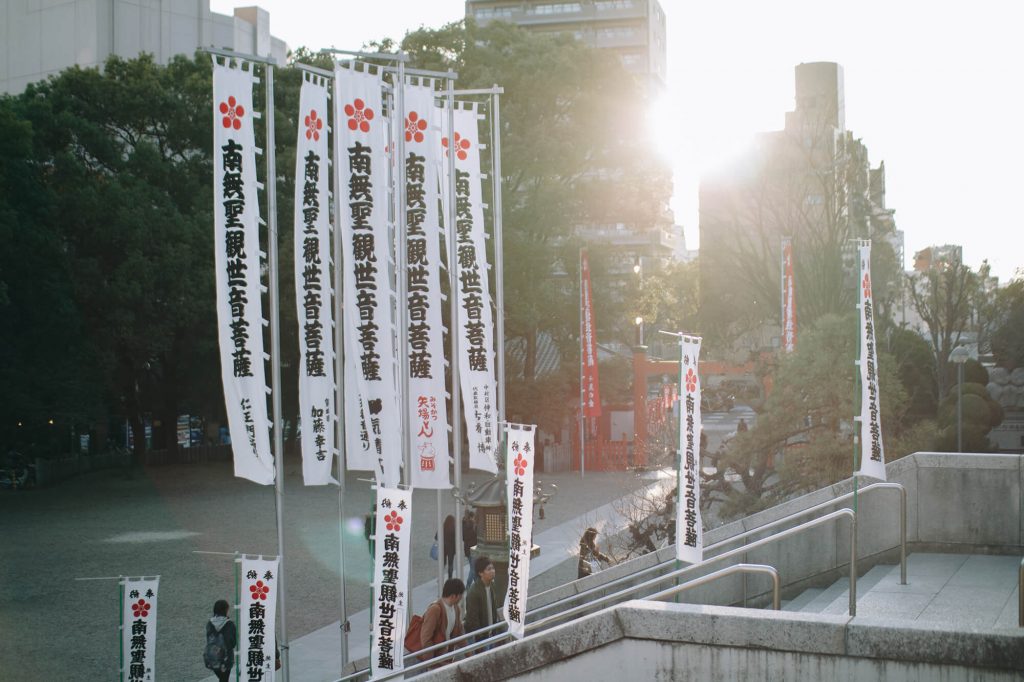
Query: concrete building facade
634	29
39	38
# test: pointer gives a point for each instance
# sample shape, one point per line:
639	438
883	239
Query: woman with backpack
221	639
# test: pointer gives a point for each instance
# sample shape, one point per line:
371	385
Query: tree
811	182
1008	325
943	297
807	423
127	161
568	158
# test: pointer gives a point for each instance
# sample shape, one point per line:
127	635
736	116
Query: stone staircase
958	589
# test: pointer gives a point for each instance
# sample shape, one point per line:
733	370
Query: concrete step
841	603
825	597
802	599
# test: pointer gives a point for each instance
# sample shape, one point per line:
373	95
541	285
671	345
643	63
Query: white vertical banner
313	284
872	455
689	527
428	416
138	629
390	577
361	135
257	618
519	463
476	320
237	259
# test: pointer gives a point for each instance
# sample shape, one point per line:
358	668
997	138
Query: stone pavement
316	656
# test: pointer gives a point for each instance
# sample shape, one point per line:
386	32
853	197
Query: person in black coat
220	623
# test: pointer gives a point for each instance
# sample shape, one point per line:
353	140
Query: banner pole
499	248
120	629
453	332
339	383
583	430
275	351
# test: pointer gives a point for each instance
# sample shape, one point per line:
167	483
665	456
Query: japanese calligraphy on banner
519	462
390	576
476	324
138	629
689	527
428	416
237	259
872	455
361	138
313	284
257	618
788	297
588	337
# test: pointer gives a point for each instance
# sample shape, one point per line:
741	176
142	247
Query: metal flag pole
275	352
453	331
339	378
499	248
583	430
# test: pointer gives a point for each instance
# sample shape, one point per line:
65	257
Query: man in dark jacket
220	658
483	599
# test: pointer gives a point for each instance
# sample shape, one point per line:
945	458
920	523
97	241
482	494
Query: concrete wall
655	641
956	503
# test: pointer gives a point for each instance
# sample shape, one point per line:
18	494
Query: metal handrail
1020	595
722	573
635	588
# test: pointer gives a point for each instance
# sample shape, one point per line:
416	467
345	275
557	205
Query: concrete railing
950	508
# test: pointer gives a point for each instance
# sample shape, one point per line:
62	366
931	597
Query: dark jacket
227	628
468	535
476	605
589	553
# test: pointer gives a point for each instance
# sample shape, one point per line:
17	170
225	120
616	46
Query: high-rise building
39	39
634	29
811	181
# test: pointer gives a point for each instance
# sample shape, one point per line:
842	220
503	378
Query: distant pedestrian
448	532
443	619
483	598
469	541
590	554
742	426
221	639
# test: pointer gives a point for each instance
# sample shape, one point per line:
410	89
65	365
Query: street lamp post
959	357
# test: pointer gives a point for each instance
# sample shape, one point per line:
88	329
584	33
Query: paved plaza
107	523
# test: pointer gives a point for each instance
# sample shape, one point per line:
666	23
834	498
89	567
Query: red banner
588	343
788	298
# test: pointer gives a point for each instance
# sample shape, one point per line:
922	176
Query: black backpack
215	656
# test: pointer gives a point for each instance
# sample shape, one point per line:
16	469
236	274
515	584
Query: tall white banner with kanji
689	527
312	242
257	618
390	577
237	259
428	416
373	441
519	461
138	629
588	342
476	321
872	455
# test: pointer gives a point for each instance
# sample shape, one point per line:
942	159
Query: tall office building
811	181
634	29
40	39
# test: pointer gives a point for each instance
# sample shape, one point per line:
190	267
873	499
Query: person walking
590	554
483	599
443	619
468	542
221	639
448	532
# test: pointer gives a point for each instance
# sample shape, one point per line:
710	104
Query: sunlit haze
931	89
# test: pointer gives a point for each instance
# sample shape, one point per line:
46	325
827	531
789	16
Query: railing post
1020	592
903	535
853	565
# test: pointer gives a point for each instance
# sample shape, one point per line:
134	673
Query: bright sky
933	89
